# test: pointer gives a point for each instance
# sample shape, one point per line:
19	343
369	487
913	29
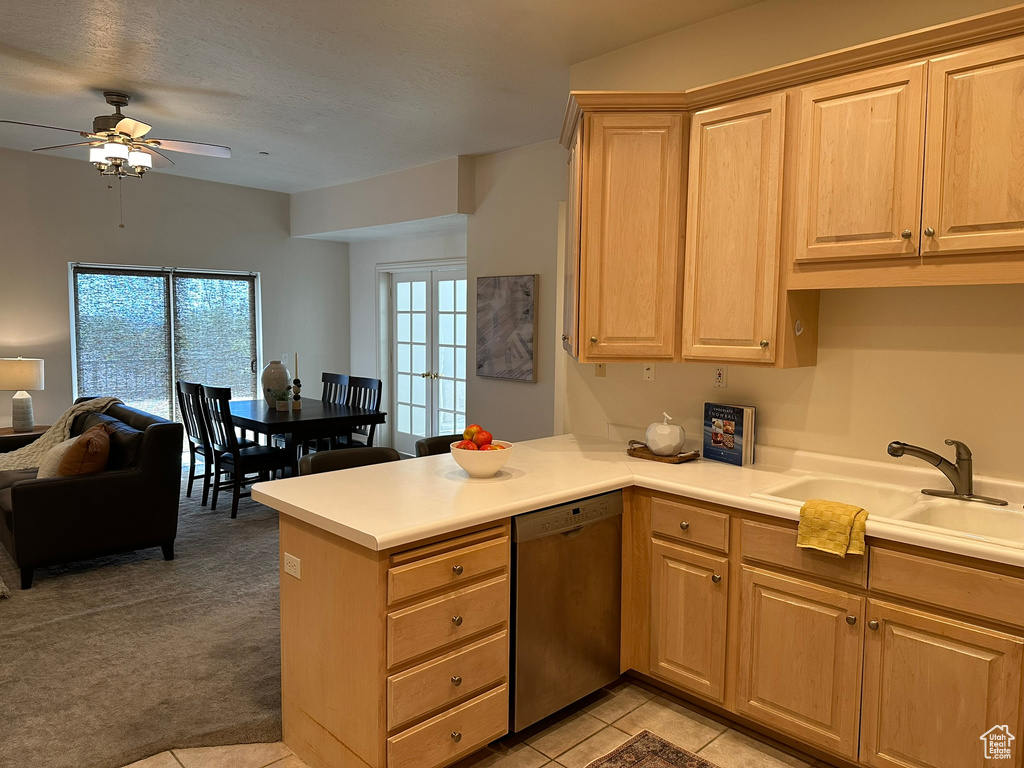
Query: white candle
296	365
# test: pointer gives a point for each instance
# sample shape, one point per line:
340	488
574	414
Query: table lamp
19	374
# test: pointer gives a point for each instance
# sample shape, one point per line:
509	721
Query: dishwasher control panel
566	517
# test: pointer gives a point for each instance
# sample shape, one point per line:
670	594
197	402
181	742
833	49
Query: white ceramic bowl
482	463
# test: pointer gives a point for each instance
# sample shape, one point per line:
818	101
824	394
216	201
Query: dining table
315	420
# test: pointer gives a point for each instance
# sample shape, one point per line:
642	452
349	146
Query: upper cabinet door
974	156
732	241
630	253
571	296
859	156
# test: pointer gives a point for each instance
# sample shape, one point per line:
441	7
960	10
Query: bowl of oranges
479	454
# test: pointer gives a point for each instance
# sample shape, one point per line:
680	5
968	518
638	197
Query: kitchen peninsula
395	634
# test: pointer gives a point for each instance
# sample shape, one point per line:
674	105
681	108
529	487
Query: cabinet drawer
955	587
776	545
432	685
433	624
447	737
691	524
446	569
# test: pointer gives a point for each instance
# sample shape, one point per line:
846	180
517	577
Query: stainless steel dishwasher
567	586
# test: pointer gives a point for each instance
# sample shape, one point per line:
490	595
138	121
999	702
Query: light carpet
108	661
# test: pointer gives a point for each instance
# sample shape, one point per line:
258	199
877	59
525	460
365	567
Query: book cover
729	433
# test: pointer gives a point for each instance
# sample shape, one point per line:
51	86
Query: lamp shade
18	373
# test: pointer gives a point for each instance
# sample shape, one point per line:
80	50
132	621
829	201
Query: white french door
428	329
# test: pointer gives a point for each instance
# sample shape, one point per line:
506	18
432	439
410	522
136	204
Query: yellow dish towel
831	526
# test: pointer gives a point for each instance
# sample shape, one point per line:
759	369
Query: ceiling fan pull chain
120	202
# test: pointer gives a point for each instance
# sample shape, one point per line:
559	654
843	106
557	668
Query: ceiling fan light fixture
115	151
98	156
140	161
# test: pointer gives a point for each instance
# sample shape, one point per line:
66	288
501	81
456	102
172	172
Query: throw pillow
52	458
88	454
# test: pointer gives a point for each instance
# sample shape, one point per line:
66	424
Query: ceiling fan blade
134	128
51	127
160	160
191	147
65	146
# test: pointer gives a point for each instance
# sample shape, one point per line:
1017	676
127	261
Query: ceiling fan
118	144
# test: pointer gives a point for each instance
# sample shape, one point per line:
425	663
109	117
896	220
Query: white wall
761	36
56	210
910	364
364	258
514	232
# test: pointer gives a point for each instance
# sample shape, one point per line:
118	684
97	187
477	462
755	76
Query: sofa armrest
62	518
17	440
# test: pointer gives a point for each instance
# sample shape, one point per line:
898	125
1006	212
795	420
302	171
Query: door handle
427	375
252	365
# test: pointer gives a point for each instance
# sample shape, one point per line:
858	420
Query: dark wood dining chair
190	403
362	393
346	458
335	388
432	446
231	457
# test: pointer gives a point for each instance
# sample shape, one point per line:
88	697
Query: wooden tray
641	451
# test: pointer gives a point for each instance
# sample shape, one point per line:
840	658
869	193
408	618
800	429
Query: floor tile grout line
715	738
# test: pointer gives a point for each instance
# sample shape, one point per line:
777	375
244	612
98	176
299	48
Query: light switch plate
648	371
600	371
292	566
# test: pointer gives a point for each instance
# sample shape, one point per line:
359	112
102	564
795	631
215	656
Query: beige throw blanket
32	454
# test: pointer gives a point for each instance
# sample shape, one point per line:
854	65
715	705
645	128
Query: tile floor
571	739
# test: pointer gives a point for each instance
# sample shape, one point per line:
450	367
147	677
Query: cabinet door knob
684	525
457	570
564	337
457	621
456	737
873	624
851	620
593	339
764	343
906	234
929	232
716	578
456	680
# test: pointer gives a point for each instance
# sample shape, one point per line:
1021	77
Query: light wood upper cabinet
630	232
859	152
571	295
689	613
800	659
974	158
933	687
731	283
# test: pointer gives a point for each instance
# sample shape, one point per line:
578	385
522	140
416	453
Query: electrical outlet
648	371
599	371
721	376
292	566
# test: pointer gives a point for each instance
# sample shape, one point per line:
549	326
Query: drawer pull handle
684	525
457	621
593	339
873	624
456	681
851	620
716	578
457	570
456	737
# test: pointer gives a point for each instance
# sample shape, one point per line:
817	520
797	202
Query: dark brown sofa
132	504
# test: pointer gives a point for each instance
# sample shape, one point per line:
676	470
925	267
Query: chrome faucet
961	474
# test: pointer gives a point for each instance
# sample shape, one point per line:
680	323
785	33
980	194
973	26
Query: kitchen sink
1004	525
879	499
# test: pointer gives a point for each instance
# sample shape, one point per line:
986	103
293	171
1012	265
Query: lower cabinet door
689	612
800	659
938	693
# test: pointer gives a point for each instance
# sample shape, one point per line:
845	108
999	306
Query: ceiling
333	90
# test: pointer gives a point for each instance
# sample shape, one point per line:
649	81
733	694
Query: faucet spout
960	474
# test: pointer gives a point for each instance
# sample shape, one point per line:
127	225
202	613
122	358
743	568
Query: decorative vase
274	377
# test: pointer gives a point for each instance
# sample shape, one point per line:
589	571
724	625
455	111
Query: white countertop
398	503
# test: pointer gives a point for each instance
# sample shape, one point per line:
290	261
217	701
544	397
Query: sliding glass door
428	318
136	331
